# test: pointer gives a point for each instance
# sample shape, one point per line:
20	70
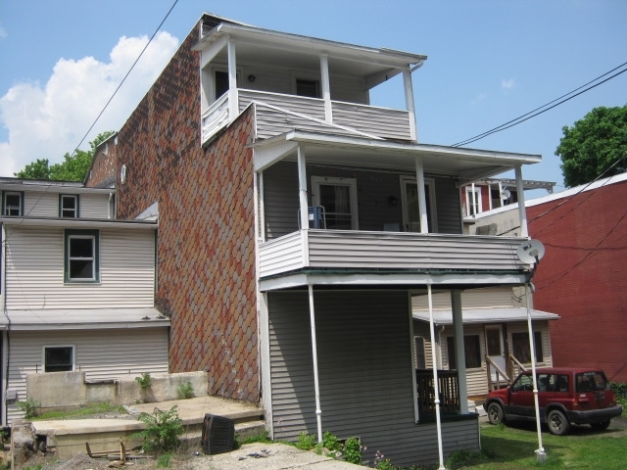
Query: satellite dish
506	194
530	251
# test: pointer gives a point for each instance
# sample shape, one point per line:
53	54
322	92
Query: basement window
58	358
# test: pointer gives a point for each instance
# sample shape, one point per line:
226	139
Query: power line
126	76
546	107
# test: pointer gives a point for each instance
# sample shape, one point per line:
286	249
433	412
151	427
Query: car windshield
591	382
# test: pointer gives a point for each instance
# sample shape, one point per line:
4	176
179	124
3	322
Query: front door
411	212
494	349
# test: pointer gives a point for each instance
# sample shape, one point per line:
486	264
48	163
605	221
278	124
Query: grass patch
82	412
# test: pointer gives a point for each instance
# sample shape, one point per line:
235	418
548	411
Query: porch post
233	95
522	212
409	101
326	88
541	455
474	200
436	387
304	205
422	203
460	351
314	351
500	194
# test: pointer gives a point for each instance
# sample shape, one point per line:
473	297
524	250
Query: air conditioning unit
218	434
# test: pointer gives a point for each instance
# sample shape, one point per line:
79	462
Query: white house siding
102	354
35	270
471	299
365	369
94	206
46	204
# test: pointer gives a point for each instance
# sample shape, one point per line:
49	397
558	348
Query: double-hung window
472	350
82	256
58	359
338	196
13	203
68	206
473	200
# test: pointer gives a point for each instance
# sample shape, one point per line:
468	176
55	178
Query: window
493	341
523	384
338	196
521	347
472	349
411	211
473	200
82	256
68	206
12	203
419	344
221	80
309	88
58	359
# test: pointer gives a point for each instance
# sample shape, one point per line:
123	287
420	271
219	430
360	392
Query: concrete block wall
206	249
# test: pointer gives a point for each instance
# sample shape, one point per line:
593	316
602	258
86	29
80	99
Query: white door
411	213
494	348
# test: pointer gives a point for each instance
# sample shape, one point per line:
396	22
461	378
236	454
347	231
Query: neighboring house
296	220
76	288
583	274
496	336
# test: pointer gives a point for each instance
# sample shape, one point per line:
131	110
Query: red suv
566	396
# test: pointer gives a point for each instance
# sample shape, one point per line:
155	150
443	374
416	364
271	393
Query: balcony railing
448	386
355	250
278	113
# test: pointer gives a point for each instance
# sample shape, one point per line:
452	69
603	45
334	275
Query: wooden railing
448	385
495	383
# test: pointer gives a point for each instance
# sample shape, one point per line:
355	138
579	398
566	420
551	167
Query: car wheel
495	413
558	423
602	426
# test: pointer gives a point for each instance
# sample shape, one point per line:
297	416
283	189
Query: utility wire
546	107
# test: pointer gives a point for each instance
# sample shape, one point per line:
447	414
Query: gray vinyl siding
386	123
474	298
374	189
365	371
102	354
94	206
35	270
46	204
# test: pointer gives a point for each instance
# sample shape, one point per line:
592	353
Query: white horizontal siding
104	354
474	298
46	204
35	271
281	255
94	206
386	123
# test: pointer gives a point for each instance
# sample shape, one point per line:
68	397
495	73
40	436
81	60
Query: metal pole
436	387
540	450
314	351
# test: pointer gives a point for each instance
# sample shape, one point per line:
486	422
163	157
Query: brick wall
583	277
206	252
103	167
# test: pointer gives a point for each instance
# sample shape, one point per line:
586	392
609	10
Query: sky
488	62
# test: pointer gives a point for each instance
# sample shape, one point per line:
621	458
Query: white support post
540	453
326	88
422	200
501	195
522	212
303	204
232	69
409	101
490	195
314	351
436	387
460	351
474	200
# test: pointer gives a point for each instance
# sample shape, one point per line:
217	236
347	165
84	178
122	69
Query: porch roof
83	319
485	315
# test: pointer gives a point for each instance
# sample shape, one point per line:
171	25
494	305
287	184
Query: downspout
435	382
314	352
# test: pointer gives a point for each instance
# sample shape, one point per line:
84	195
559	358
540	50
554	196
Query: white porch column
233	94
522	212
436	387
314	352
501	195
304	205
474	200
326	88
460	350
422	200
409	101
541	455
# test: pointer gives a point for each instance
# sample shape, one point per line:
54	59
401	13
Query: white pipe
436	387
314	352
540	451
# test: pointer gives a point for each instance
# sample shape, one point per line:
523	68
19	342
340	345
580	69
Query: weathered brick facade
103	167
583	276
206	247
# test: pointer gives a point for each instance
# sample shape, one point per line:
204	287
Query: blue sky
489	61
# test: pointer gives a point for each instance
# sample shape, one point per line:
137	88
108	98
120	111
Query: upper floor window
338	196
58	359
82	263
13	203
68	206
473	201
309	88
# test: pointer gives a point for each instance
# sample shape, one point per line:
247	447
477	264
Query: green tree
73	168
593	144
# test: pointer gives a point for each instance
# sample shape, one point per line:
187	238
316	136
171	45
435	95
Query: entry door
494	348
411	212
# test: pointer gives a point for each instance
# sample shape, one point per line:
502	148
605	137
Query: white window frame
92	235
469	200
5	206
430	189
58	346
351	183
62	210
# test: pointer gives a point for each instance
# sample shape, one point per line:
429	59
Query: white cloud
3	32
508	84
48	121
478	99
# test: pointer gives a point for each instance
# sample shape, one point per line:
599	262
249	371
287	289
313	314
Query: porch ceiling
331	149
